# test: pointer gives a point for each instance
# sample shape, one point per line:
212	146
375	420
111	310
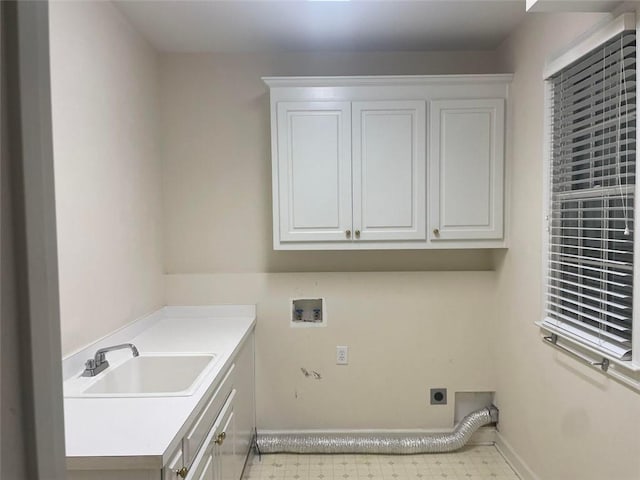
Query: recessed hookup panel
308	312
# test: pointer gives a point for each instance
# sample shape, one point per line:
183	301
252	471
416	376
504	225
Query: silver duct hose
379	444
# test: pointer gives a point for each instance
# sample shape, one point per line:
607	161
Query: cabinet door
208	468
215	459
466	169
229	466
389	169
314	171
204	465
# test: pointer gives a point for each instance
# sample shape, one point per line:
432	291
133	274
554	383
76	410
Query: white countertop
110	433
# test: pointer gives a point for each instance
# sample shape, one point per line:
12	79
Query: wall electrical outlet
438	396
342	355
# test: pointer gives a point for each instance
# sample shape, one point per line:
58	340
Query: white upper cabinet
389	163
466	169
314	171
400	162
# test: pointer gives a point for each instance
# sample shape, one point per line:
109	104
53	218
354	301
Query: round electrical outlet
438	396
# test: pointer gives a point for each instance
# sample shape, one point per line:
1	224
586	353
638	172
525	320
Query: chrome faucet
98	363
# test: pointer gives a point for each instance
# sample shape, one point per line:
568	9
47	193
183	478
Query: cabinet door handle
348	233
182	472
220	438
357	233
436	232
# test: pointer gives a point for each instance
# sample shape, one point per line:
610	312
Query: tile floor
470	463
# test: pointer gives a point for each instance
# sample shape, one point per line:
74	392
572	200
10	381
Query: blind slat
609	136
578	217
583	286
596	133
618	192
581	238
594	249
605	333
596	159
582	209
617	286
587	267
596	181
569	84
605	315
595	104
590	298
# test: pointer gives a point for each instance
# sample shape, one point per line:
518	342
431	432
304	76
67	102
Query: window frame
625	371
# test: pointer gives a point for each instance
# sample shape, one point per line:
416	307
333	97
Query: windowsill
625	372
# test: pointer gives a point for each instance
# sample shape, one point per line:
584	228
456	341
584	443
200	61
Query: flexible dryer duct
379	444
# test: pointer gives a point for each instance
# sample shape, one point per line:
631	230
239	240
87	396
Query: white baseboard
513	459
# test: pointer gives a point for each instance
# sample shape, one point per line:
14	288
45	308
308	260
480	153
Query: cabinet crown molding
386	80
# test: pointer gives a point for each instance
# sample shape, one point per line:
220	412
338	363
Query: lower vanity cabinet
217	441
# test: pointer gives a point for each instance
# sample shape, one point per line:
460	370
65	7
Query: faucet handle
100	358
90	364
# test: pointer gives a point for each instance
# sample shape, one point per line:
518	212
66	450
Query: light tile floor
470	463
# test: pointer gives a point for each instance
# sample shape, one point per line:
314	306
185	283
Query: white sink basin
150	375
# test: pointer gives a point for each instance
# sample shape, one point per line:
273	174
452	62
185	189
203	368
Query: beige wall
217	161
406	331
104	95
566	420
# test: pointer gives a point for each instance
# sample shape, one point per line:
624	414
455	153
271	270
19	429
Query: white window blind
589	279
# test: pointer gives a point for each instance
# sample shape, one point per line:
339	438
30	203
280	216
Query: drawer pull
220	439
182	472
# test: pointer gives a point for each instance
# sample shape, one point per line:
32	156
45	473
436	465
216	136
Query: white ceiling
303	25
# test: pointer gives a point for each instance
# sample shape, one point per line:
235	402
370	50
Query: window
590	218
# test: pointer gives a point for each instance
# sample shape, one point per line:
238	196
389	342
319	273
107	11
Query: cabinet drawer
198	432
